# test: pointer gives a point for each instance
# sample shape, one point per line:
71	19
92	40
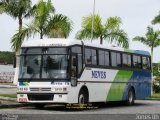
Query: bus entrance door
74	69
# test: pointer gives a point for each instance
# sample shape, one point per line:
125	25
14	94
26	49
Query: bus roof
68	42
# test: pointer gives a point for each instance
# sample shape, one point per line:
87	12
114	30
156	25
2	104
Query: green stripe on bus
117	89
130	51
26	83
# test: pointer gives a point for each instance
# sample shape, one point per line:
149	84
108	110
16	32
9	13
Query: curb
3	86
14	105
8	98
155	99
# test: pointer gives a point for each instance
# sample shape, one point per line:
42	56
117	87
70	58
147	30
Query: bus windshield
55	66
44	66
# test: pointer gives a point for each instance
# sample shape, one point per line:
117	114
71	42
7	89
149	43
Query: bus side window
116	59
88	56
137	61
126	60
149	63
94	57
101	57
106	57
145	63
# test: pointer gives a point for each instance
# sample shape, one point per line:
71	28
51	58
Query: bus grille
45	97
40	89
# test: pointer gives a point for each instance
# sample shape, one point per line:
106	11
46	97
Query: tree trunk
101	39
152	53
152	59
17	55
20	23
152	67
16	69
41	34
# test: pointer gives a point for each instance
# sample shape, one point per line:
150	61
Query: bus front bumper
42	97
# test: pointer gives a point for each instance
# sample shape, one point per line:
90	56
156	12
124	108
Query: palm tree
44	23
110	30
16	9
151	39
156	19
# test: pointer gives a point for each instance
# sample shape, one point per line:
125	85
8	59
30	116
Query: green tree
16	9
110	30
7	56
156	71
151	39
45	22
156	19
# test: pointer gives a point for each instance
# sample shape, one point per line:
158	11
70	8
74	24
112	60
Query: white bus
73	71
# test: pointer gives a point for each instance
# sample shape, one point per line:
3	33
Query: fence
6	77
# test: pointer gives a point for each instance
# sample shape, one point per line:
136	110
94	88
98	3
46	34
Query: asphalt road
115	110
8	90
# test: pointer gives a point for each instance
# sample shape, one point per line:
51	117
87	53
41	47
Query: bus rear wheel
83	97
131	97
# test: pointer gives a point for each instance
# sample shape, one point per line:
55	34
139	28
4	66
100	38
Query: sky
136	15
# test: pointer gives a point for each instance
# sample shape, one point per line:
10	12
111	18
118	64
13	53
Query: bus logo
99	74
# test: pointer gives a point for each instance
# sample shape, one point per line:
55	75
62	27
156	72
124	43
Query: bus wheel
131	97
40	106
83	97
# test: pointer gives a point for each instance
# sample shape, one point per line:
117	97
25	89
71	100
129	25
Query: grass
9	95
155	96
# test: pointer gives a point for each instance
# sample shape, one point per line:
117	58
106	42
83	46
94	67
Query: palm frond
151	39
15	8
19	37
42	13
86	31
2	7
84	34
156	19
59	26
118	37
113	23
142	40
30	12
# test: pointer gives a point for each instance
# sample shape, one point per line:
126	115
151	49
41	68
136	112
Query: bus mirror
14	62
73	82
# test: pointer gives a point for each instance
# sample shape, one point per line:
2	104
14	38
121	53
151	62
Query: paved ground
8	90
146	110
117	111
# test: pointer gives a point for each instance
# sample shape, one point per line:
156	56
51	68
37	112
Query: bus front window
55	66
30	66
44	63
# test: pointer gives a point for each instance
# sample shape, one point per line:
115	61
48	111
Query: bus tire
131	97
39	106
83	97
